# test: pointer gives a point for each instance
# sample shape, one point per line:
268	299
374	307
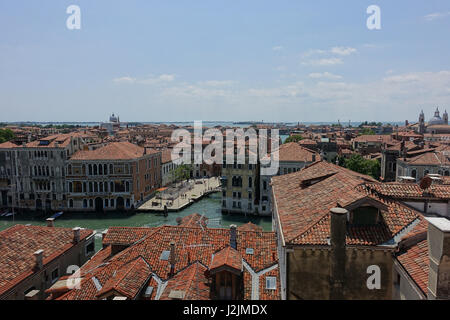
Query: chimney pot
76	234
39	258
233	242
50	222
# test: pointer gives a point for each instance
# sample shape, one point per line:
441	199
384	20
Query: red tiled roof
191	281
125	235
399	190
191	244
416	262
303	200
53	141
128	280
18	244
113	151
7	145
250	227
293	152
373	138
429	158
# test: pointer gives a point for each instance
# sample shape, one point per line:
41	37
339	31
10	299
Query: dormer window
365	216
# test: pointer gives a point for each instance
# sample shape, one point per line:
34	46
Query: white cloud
124	80
437	15
343	51
402	78
277	48
217	83
150	80
323	62
325	75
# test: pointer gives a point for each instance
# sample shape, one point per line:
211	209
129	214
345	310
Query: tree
294	138
366	132
182	172
6	135
365	166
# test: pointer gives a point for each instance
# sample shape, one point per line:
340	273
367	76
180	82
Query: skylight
271	283
165	255
249	251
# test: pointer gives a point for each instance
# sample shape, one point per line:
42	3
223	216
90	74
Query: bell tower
422	123
445	117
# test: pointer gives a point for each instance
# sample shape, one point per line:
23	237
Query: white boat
56	215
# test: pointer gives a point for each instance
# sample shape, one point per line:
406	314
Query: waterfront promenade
200	188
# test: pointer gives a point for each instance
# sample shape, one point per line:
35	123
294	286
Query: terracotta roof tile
18	244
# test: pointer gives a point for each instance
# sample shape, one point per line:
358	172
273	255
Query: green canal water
208	206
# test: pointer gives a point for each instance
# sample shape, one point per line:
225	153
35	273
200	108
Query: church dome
436	120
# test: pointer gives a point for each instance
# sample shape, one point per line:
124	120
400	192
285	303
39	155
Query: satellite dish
425	183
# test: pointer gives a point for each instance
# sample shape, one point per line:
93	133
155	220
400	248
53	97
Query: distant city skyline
290	61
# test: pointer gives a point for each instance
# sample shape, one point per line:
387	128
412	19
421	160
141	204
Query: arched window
127	186
100	187
71	203
90	187
106	203
446	173
90	169
69	169
84	203
111	187
111	171
95	169
105	169
95	186
128	203
91	203
112	203
100	169
414	173
70	187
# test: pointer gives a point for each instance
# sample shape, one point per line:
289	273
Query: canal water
208	206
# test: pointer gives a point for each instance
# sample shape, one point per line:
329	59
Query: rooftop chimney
439	255
172	259
233	242
39	257
76	234
337	241
50	222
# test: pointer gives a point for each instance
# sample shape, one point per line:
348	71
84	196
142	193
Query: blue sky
223	60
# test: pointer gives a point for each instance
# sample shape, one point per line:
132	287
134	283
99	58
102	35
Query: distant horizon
205	121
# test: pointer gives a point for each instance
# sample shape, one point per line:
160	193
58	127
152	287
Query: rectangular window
55	275
90	248
271	283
